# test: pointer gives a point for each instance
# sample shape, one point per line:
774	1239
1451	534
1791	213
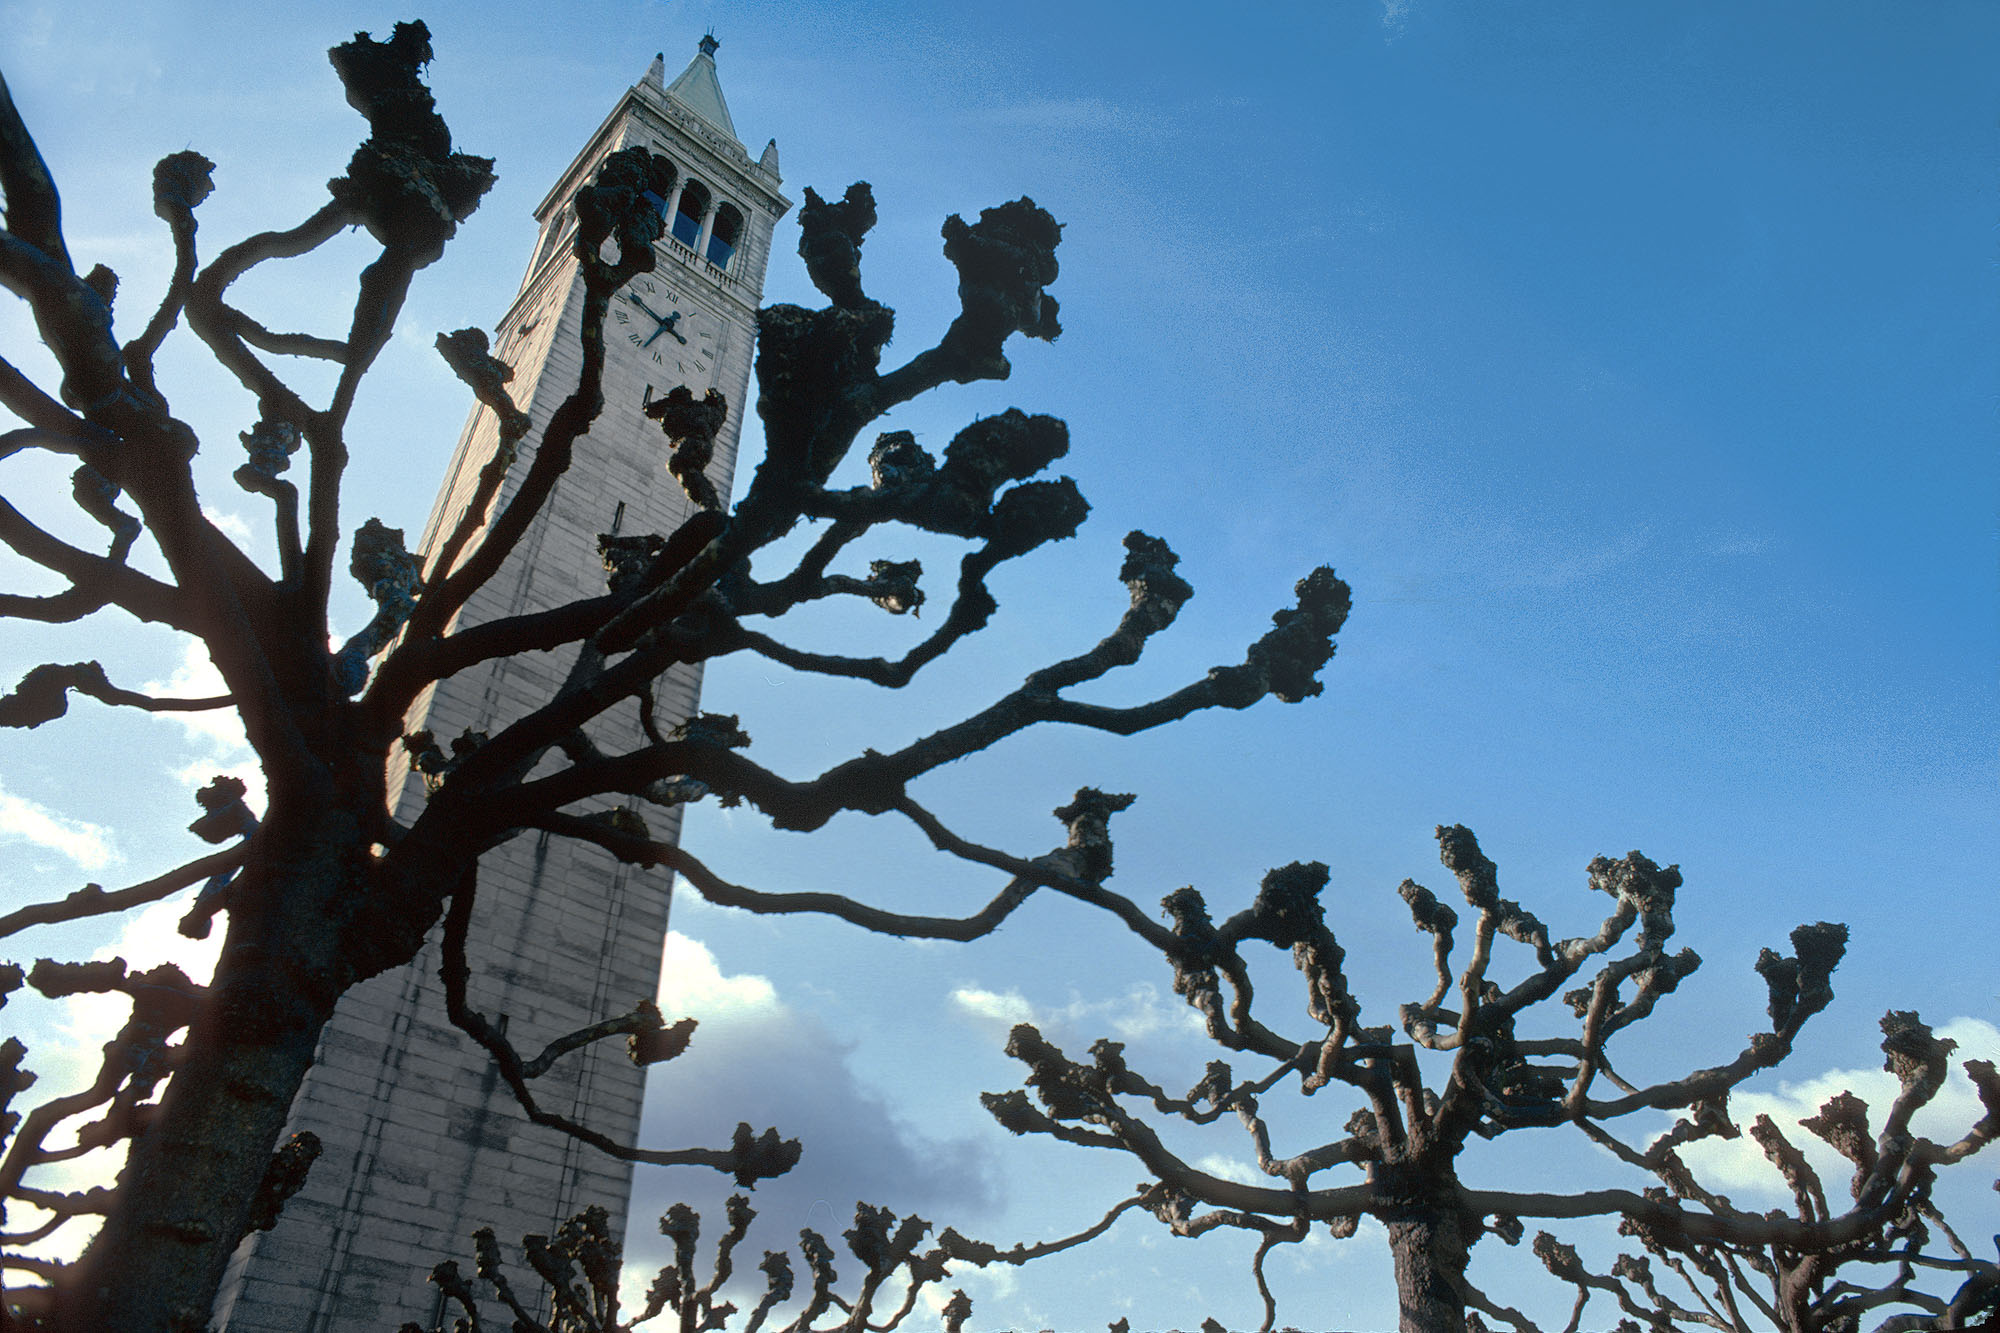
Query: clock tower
423	1143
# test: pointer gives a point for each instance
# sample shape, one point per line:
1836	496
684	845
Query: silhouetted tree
1499	1068
577	1272
327	889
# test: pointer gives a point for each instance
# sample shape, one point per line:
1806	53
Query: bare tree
576	1276
1493	1071
327	889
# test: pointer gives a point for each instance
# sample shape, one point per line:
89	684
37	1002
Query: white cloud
691	982
234	526
1395	17
757	1058
1142	1011
1739	1165
1228	1168
1010	1007
89	845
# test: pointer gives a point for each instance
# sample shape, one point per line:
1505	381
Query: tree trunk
192	1177
188	1189
1428	1244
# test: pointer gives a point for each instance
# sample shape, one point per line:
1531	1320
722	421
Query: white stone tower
423	1142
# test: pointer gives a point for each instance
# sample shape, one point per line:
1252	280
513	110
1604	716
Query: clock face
661	327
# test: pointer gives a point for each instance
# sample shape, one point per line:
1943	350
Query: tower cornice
720	156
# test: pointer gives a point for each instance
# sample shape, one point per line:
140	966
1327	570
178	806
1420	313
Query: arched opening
658	200
687	218
723	236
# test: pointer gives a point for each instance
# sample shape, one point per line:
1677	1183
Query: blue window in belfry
687	220
722	237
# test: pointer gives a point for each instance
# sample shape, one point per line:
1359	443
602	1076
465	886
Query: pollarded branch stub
819	1258
627	559
722	730
1197	950
1067	1090
181	181
882	1251
1647	888
1792	1165
1015	1113
621	204
1801	986
1011	446
898	460
224	812
103	283
1148	573
14	1080
1288	913
812	369
1109	1058
1287	910
466	352
58	981
762	1156
1708	1117
1004	262
691	425
1216	1084
958	496
163	997
1843	1125
660	1041
1287	660
776	1266
1558	1258
1917	1057
1430	915
405	183
830	237
682	1225
894	585
1034	513
1088	819
1478	879
270	445
43	694
381	564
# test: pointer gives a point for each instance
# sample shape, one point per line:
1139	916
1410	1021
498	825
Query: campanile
423	1141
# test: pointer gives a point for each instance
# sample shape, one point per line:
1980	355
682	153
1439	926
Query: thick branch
96	580
90	900
42	695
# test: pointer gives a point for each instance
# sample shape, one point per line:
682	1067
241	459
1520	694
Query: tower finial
708	45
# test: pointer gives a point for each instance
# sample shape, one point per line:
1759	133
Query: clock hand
633	298
666	326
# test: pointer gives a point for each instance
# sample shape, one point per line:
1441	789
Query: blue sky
1634	364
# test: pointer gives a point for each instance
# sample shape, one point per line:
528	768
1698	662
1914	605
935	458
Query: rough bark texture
1429	1249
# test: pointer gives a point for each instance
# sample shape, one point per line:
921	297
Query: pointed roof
700	91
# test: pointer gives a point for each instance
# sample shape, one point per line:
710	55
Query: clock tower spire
423	1143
